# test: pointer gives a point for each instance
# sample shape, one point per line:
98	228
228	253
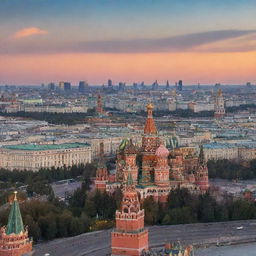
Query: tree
33	228
180	216
63	224
242	210
206	208
48	226
151	210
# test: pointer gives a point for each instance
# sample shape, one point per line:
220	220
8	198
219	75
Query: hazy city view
127	128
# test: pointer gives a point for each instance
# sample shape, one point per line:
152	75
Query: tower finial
150	108
15	195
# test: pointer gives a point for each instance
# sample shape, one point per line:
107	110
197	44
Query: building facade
37	156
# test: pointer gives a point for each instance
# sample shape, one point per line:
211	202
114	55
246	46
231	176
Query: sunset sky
127	40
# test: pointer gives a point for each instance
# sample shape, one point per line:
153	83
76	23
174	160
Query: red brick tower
130	237
202	172
102	176
14	239
150	142
99	108
219	106
162	169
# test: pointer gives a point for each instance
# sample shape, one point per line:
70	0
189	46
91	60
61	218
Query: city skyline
196	41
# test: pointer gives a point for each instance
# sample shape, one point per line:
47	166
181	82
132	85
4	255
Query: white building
36	156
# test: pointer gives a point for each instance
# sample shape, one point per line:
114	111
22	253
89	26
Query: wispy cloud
186	42
241	44
210	41
31	31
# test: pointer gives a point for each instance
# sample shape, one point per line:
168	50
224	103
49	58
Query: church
154	169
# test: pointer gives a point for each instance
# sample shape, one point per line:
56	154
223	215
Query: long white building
36	156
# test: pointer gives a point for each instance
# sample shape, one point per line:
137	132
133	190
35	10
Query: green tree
48	226
151	210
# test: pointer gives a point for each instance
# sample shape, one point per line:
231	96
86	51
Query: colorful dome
150	106
130	148
162	151
123	144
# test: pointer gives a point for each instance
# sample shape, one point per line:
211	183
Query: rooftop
40	147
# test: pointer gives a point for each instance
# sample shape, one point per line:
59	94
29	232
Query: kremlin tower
14	239
202	172
130	237
102	176
219	107
99	108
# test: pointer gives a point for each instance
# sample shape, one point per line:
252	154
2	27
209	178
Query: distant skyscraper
180	85
67	86
110	85
167	85
135	86
51	86
83	85
61	85
155	85
248	84
121	86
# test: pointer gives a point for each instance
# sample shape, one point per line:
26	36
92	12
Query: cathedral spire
15	223
150	127
201	159
101	163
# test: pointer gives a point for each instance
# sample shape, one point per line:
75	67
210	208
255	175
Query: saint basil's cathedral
154	169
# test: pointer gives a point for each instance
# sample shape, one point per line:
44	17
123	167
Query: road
98	243
60	189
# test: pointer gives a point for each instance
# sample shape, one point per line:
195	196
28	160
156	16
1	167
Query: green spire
123	144
15	223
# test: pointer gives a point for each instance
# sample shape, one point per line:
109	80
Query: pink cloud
29	32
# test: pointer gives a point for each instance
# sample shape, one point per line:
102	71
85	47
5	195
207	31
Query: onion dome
123	144
219	93
162	151
130	148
